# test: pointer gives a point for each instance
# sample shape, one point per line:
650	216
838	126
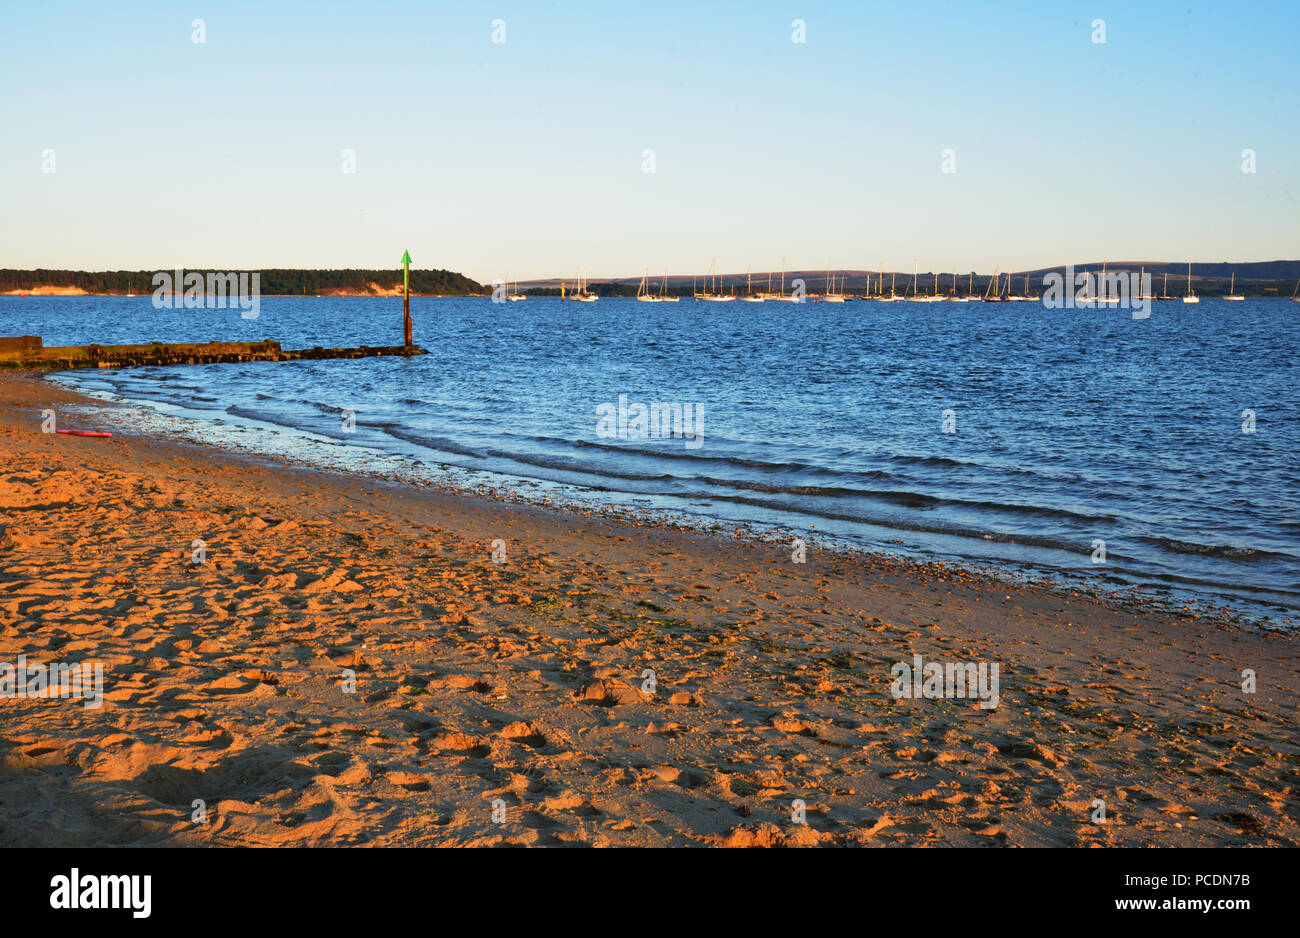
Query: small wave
1221	551
261	416
680	452
821	512
431	442
910	499
561	464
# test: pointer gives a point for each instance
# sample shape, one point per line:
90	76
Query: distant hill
1258	278
274	282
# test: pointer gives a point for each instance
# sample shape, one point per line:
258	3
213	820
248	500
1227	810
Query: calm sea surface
1072	426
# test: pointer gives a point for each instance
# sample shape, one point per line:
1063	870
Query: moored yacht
1233	296
1191	297
580	292
643	294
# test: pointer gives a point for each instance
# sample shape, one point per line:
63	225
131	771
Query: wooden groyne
30	352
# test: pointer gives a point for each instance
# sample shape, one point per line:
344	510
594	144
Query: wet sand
503	703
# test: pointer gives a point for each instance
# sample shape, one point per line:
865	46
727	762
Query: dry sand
520	682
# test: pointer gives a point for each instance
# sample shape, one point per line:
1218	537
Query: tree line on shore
275	282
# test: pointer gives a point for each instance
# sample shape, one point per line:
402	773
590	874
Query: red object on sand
84	433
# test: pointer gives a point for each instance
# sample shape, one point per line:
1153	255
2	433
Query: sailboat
1003	293
516	296
918	297
664	296
1012	298
643	294
893	294
1233	296
1294	297
1102	292
1104	284
957	297
715	296
750	296
828	296
1086	298
1028	296
696	295
914	297
991	293
580	292
1164	291
781	297
1190	297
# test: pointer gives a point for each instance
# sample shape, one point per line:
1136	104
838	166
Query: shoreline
1156	596
520	681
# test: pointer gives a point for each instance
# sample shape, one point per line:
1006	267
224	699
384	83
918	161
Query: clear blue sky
477	156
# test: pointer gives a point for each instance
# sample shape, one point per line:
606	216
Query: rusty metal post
406	299
406	318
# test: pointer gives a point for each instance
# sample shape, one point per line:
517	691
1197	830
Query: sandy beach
502	703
